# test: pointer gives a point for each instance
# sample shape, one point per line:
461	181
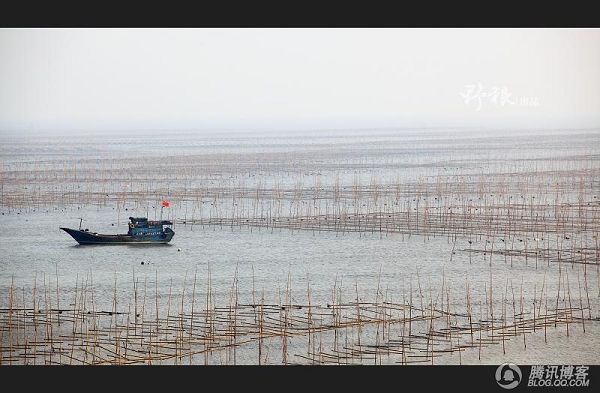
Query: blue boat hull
85	237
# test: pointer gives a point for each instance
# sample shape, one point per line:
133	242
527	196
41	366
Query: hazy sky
95	79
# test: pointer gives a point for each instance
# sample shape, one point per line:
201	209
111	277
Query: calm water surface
33	248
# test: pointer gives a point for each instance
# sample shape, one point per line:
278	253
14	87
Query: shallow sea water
33	247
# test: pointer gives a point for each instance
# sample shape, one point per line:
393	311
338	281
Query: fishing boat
141	231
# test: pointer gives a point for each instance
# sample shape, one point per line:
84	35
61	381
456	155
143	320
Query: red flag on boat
165	203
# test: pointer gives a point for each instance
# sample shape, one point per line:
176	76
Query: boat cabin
140	226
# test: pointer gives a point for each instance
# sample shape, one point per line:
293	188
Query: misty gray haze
244	79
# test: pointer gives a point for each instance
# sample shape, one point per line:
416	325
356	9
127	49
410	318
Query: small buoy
142	262
179	249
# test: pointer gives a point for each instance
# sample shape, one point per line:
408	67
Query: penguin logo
508	375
